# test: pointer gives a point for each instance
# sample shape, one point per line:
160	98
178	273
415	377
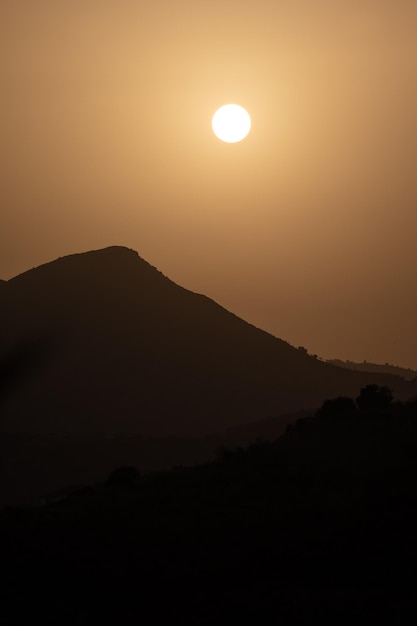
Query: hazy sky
307	228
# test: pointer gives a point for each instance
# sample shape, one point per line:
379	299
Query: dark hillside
316	527
122	349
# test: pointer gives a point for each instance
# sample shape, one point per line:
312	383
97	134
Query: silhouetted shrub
374	397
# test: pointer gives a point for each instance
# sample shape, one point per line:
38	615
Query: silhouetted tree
374	397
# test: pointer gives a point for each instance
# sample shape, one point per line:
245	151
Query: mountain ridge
122	348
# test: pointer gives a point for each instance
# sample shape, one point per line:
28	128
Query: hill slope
106	343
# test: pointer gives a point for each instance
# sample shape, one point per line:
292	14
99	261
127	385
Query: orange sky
306	229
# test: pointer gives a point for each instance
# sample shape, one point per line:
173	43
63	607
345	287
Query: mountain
103	342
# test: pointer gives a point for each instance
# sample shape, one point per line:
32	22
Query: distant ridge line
378	368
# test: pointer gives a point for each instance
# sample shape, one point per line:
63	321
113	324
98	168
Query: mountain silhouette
111	345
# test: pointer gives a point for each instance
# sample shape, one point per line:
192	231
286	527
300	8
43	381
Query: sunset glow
111	135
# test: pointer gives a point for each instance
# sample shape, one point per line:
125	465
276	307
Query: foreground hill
316	527
103	342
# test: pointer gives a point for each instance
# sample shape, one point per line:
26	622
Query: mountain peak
112	262
114	251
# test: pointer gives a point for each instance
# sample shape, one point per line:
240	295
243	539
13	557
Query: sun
231	123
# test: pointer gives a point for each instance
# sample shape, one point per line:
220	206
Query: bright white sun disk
231	123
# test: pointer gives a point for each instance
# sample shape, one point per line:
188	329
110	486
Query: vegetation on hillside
317	525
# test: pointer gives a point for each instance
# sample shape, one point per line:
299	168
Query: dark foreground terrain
318	526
